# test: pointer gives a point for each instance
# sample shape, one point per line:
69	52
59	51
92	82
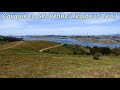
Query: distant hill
117	35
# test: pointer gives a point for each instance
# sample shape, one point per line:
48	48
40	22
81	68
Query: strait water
73	41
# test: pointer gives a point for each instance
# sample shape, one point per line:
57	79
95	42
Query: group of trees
102	50
9	39
78	50
105	50
95	51
116	51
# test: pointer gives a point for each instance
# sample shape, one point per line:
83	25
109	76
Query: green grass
8	44
21	48
59	50
41	44
57	66
67	49
24	48
22	61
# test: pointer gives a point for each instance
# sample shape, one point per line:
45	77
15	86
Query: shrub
105	50
46	51
78	50
94	50
88	47
116	51
74	53
87	53
96	56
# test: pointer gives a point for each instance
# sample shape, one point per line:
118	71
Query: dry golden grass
22	61
41	44
58	66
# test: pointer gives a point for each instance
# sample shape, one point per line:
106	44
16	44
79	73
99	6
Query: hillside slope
58	66
36	46
24	60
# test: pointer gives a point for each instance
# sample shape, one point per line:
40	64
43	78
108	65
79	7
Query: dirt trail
31	46
42	49
11	46
50	47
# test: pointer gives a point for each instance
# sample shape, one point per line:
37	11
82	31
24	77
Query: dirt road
50	47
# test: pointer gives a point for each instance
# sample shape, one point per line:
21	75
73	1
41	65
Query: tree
116	51
104	50
94	50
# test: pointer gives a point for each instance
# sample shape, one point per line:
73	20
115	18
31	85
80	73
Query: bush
78	50
96	56
116	51
74	53
94	50
105	50
87	53
88	47
46	51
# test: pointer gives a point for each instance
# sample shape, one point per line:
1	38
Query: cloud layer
69	26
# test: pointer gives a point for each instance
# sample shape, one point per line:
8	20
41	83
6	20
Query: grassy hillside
51	65
41	44
26	47
68	49
23	60
35	46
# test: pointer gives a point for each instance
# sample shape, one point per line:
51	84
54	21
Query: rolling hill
22	59
36	46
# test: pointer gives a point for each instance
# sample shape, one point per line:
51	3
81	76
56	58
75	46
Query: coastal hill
23	59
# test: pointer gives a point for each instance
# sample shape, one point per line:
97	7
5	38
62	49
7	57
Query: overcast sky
72	23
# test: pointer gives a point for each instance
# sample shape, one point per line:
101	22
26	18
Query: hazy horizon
61	23
62	35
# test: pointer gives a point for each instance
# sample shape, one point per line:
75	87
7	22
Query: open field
26	62
57	66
